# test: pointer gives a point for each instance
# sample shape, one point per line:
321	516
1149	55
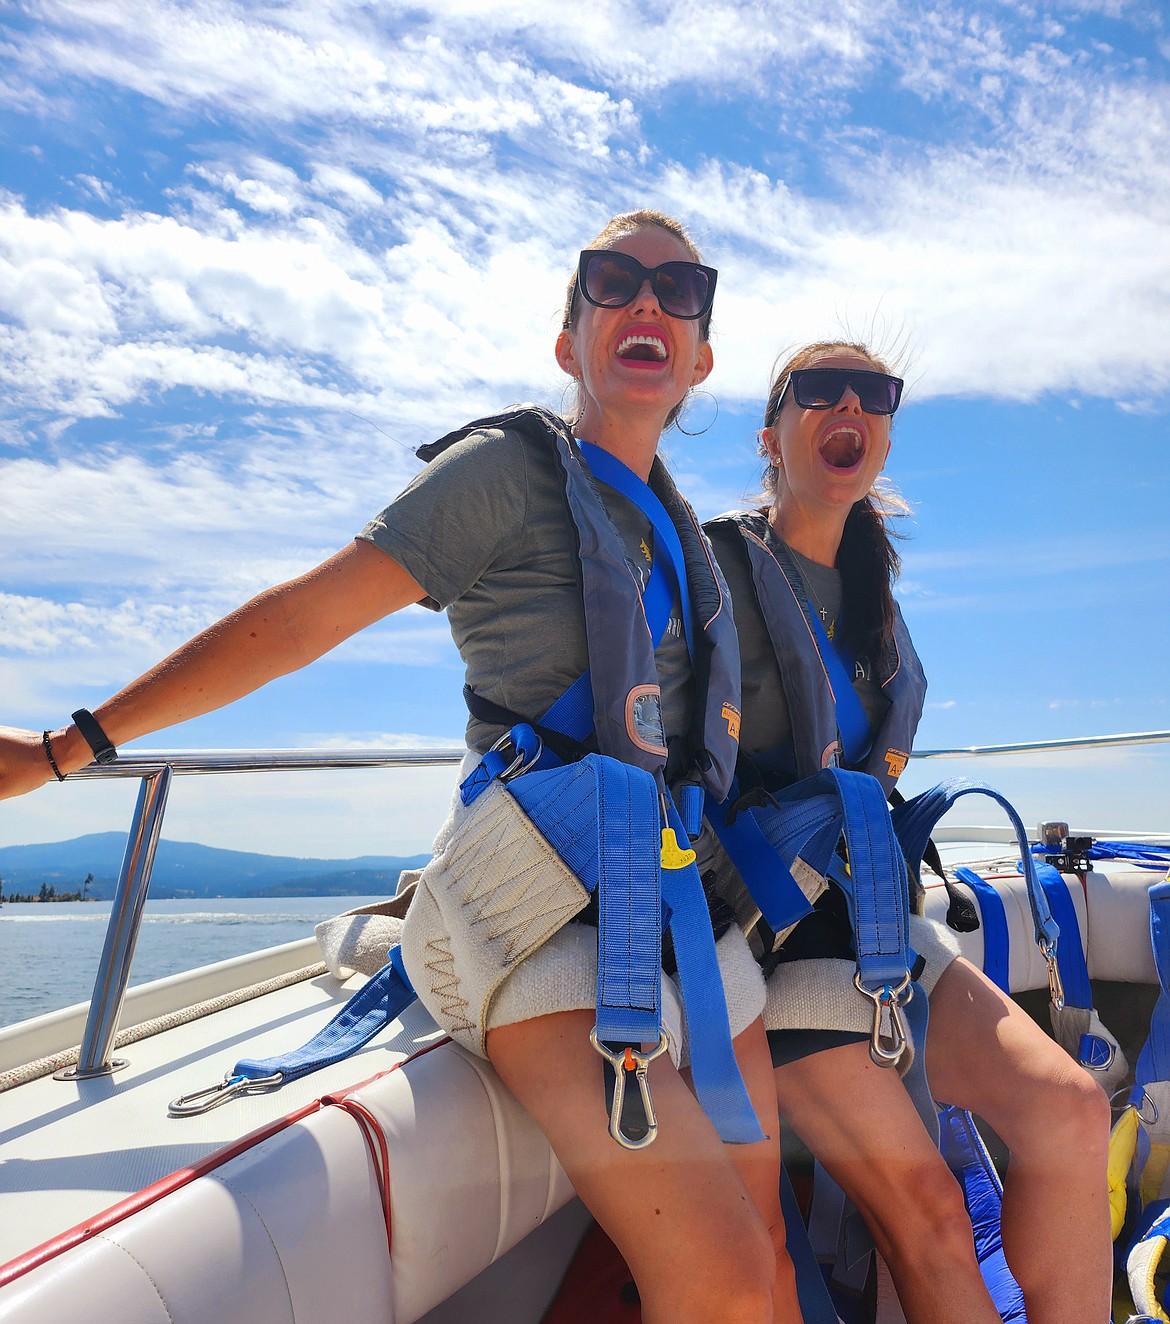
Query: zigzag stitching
445	983
516	933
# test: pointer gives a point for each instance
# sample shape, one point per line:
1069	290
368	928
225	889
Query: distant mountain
186	869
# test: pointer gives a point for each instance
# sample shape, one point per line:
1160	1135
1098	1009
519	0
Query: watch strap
94	736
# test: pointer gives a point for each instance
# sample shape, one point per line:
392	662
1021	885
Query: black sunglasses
609	279
822	388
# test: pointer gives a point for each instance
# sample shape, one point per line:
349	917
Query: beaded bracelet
48	744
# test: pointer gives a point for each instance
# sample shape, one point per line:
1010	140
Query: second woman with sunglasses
817	560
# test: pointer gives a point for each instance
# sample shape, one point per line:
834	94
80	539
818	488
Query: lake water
49	953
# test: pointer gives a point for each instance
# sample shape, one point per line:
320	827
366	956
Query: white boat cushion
292	1230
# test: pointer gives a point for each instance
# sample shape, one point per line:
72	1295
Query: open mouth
642	349
842	448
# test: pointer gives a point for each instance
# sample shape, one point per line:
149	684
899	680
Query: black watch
95	737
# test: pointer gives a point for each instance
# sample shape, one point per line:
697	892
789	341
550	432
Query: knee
739	1286
931	1213
1065	1115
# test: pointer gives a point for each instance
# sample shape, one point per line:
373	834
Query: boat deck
72	1148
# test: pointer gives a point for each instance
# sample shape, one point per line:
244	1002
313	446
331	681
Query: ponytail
869	564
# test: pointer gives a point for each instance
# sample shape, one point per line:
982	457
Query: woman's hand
278	631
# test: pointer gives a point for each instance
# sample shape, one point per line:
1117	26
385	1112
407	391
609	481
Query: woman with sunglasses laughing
536	536
810	574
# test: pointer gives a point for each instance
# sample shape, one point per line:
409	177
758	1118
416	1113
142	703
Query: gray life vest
783	603
627	699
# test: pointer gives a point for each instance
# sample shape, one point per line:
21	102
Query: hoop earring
572	417
698	390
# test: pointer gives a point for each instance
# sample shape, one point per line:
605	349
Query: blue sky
250	256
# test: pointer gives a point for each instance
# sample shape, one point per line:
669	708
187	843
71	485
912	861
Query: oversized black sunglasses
822	388
609	279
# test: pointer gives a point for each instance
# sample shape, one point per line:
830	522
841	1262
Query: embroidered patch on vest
896	762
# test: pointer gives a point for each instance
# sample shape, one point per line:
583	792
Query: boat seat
1113	912
292	1228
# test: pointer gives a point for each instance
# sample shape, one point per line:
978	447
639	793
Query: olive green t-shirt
485	529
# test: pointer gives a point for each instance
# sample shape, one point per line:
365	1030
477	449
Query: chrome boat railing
156	771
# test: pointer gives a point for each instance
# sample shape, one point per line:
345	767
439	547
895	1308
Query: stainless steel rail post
113	974
156	771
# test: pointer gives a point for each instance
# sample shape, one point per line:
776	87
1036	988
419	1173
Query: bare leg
985	1054
759	1165
860	1123
678	1210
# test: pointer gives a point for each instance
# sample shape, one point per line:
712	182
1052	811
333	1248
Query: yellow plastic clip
673	855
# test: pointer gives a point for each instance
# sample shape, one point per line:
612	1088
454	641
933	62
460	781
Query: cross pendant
824	614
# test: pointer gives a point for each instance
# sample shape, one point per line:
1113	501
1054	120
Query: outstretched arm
281	630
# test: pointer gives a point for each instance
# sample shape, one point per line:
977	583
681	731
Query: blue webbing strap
1139	853
624	862
852	723
914	821
967	1156
601	817
610	470
807	820
1153	1062
816	1305
993	924
877	881
572	713
714	1070
629	940
380	1000
1070	955
767	876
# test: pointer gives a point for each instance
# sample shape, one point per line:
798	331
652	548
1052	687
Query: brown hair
867	558
619	227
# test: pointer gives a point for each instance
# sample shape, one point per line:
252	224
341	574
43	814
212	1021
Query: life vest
783	603
627	702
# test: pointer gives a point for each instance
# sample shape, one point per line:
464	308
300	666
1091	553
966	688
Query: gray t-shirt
767	724
485	529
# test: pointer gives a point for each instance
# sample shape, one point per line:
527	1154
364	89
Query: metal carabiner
202	1101
888	1025
630	1061
1055	983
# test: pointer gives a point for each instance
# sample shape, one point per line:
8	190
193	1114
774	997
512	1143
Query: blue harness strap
914	821
1139	853
380	1000
993	924
601	816
610	470
572	713
718	1083
816	1305
852	723
1148	1140
966	1154
808	820
1153	1062
1070	955
768	877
